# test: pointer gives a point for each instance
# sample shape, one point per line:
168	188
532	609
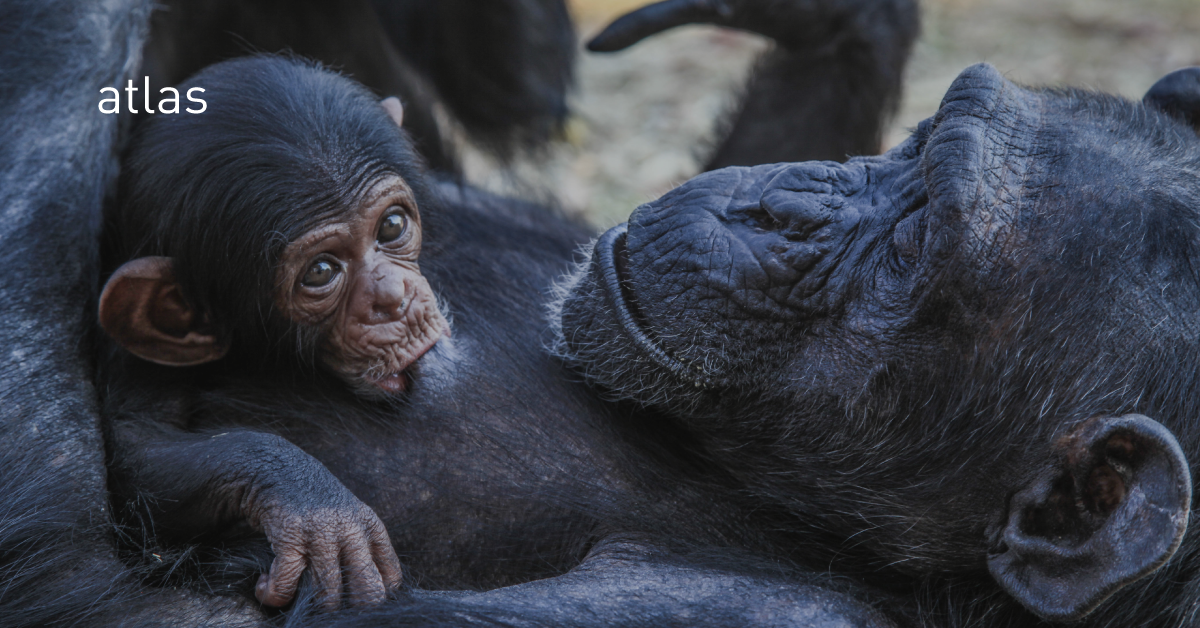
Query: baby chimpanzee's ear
1178	94
395	110
142	309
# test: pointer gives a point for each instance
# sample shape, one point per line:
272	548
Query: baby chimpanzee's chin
379	385
384	387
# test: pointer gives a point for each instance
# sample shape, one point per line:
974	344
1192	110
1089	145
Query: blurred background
644	118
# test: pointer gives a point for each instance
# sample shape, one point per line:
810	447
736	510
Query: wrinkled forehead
1070	200
1012	167
348	204
983	145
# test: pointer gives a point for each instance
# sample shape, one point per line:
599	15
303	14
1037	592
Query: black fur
502	67
59	567
500	470
826	91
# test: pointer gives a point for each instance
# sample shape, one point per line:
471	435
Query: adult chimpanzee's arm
187	35
825	92
56	156
625	583
503	67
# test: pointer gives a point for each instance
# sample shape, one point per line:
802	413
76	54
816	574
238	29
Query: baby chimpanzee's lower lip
392	382
398	381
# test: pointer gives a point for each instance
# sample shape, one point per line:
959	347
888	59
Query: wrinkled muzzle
722	279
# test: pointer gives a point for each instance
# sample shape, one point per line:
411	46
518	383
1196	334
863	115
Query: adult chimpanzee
992	265
517	471
975	358
313	192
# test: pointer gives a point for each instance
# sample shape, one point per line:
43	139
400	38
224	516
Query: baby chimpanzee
273	238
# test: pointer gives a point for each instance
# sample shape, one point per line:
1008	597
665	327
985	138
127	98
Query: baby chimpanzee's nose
382	294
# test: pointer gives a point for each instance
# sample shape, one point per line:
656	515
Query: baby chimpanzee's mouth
391	382
397	380
613	261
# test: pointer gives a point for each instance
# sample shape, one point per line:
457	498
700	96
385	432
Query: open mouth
613	261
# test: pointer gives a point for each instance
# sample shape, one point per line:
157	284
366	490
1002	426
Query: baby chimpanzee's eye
320	273
393	227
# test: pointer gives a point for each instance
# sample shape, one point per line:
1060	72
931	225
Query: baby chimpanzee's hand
316	522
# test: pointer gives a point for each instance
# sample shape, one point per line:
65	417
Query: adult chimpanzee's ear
1112	509
1178	94
142	309
395	109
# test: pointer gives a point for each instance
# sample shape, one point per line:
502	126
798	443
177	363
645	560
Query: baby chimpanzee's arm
195	483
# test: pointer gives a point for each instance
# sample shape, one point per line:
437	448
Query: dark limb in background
825	92
187	36
503	67
56	556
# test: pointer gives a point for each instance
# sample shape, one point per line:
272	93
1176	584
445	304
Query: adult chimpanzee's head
971	354
282	221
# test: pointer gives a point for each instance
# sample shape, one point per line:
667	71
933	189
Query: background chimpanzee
517	471
276	236
501	67
974	358
825	91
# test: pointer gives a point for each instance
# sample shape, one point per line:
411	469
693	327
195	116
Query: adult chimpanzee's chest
479	477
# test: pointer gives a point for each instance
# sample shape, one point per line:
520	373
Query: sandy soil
644	117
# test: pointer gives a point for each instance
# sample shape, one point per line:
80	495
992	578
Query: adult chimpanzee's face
916	348
356	279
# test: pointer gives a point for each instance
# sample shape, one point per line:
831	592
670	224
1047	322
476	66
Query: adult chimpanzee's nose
803	198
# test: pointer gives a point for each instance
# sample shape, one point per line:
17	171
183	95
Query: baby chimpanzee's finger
278	587
364	586
326	565
385	557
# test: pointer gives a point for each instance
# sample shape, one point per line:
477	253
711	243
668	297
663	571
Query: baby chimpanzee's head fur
283	149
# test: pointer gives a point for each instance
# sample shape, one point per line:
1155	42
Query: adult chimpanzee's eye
392	228
320	273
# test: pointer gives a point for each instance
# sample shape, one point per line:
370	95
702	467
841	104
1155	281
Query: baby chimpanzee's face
356	280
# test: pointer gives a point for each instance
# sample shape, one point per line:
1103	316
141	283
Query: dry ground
643	117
